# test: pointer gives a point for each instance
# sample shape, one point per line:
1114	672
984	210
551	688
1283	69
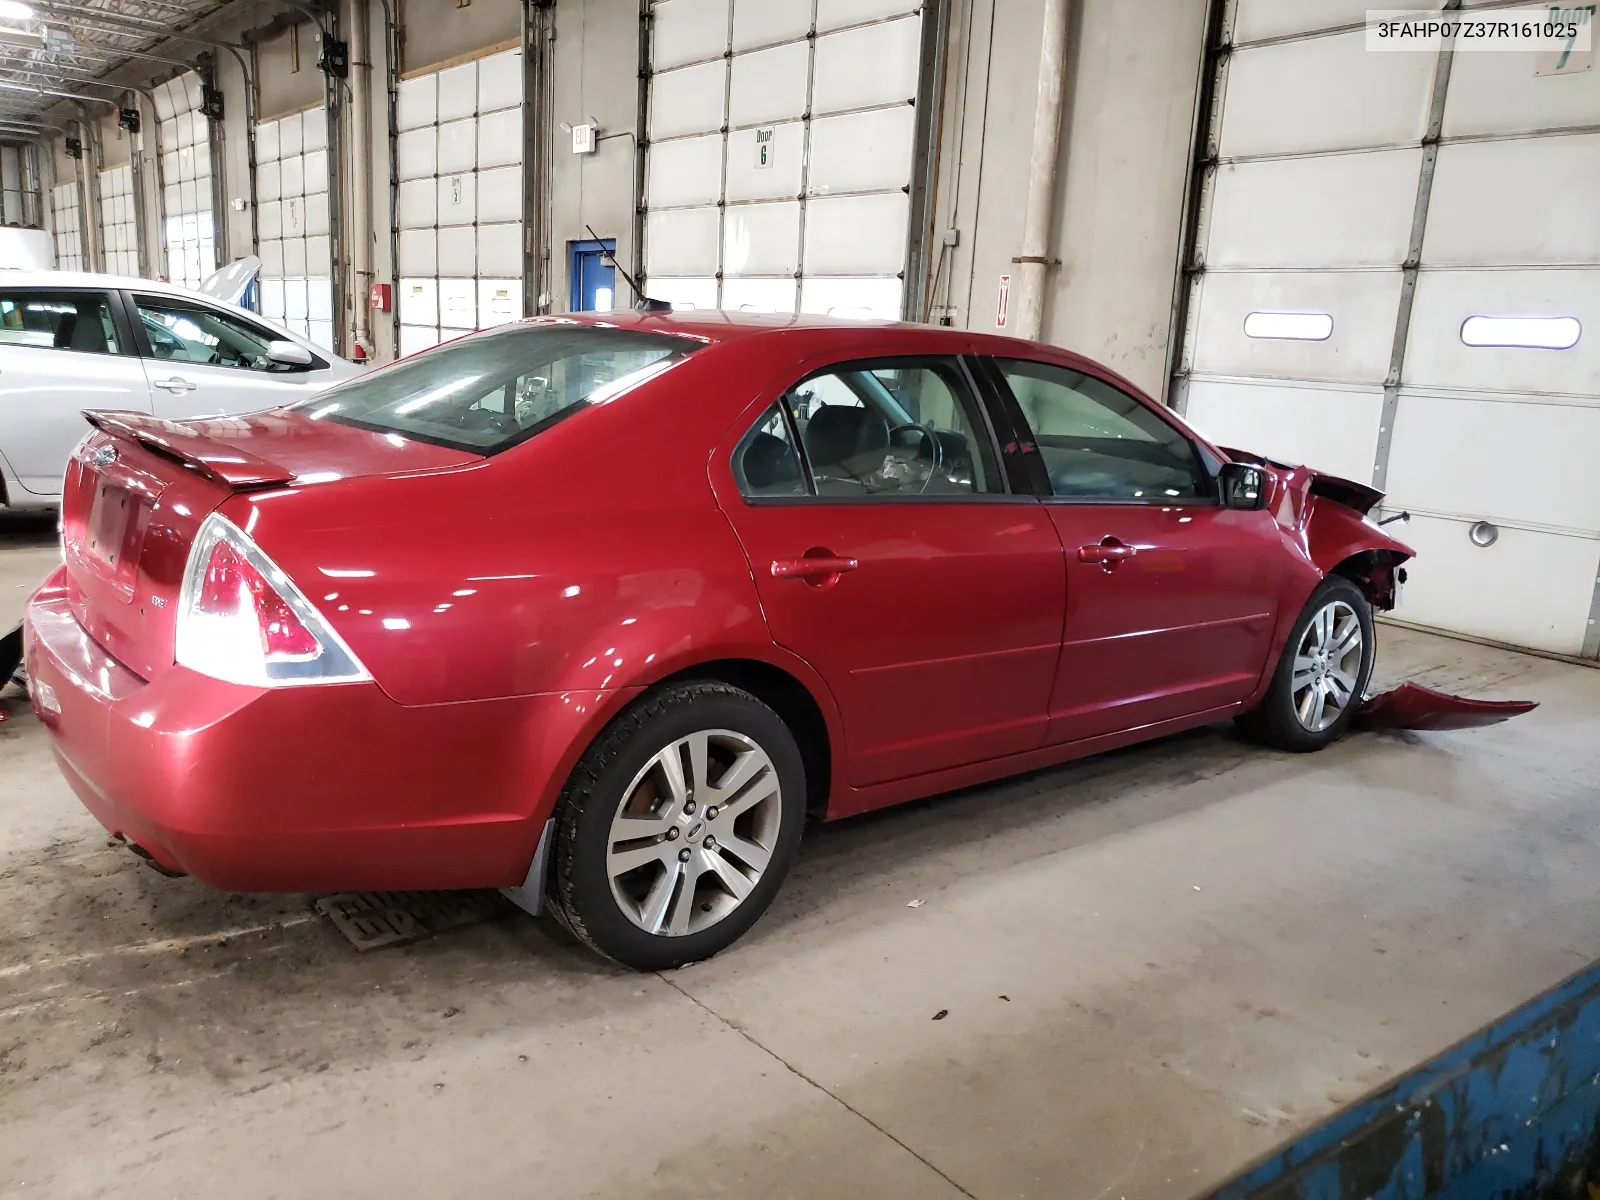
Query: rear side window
79	321
484	394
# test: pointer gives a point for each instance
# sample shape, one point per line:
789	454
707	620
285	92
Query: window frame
964	365
126	347
1031	461
130	299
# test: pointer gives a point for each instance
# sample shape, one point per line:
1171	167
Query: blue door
594	280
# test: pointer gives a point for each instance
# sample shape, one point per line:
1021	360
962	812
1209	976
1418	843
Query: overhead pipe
1034	259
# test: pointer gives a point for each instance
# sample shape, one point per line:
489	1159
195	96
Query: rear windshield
486	393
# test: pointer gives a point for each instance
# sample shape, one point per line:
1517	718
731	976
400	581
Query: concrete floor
1157	965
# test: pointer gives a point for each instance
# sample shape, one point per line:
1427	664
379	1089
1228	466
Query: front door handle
1108	552
177	385
813	566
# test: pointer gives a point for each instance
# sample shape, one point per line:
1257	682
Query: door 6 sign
764	148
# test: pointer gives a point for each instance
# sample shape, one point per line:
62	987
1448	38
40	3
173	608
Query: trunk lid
138	487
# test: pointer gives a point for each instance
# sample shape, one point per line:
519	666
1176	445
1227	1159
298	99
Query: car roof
92	279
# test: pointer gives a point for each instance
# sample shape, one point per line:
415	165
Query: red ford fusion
599	610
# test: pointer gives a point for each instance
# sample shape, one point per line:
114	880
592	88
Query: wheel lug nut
683	855
672	833
689	807
711	813
710	842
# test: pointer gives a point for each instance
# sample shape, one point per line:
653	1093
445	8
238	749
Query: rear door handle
177	385
1109	552
812	566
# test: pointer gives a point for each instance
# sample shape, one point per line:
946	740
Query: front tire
678	826
1322	677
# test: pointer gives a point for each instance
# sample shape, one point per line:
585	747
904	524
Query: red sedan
598	610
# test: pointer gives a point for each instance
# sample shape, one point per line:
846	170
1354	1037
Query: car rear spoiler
225	463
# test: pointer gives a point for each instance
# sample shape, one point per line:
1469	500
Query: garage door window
1099	443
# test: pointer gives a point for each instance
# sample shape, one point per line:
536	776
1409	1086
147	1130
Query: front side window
487	392
79	321
893	428
184	332
1099	443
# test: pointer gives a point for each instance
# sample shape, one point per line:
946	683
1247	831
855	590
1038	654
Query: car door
889	554
205	361
1171	598
62	350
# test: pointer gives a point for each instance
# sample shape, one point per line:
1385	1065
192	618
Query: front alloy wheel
678	825
1327	666
1322	675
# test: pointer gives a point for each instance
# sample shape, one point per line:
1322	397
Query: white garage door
1488	430
67	222
119	229
781	143
460	205
292	227
184	137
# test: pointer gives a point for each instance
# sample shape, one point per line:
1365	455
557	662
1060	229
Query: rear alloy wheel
678	826
1322	678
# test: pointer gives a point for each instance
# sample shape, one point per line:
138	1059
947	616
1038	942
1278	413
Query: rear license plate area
113	534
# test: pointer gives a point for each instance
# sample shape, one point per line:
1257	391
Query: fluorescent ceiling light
28	37
13	10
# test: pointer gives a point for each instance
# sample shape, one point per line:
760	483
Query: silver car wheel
1327	666
694	832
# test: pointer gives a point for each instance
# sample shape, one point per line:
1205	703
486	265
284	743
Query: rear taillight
242	620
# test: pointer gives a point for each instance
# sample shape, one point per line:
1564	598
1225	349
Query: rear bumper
334	788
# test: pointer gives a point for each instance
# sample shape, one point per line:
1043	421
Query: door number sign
764	148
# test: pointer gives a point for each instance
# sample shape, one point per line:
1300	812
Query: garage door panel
417	102
499	247
760	295
1258	19
1436	357
1331	429
761	239
763	22
1527	201
683	242
1500	94
500	81
1362	305
780	178
416	152
769	85
418	203
1324	94
458	305
686	31
500	195
414	339
289	140
856	235
313	130
458	92
420	299
418	252
458	251
500	139
833	14
292	176
457	199
866	151
1497	460
499	302
692	294
269	219
458	146
876	64
685	173
317	213
688	100
856	298
1528	589
1334	210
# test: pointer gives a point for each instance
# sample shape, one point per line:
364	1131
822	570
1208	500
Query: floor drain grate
373	920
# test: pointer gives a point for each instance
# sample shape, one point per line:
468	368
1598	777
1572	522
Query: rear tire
1322	677
678	826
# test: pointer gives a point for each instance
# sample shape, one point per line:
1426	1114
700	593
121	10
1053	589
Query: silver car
70	342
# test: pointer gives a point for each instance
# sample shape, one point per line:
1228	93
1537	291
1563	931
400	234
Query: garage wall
1132	78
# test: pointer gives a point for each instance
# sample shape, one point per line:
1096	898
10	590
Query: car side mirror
1242	486
288	354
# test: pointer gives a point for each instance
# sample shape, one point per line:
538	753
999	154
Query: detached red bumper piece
1412	706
